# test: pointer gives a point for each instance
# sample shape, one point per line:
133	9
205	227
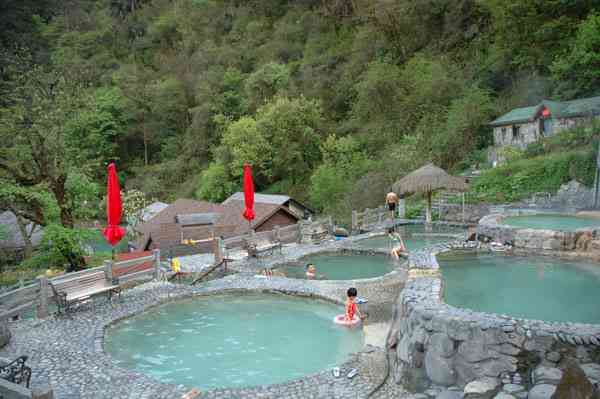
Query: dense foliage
330	100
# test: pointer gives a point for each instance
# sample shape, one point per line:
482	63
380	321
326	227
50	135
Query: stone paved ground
67	352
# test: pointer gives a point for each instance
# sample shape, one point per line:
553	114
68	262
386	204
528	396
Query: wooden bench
68	291
258	246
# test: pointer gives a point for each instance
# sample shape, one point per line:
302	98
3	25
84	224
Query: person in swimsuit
400	248
351	308
391	199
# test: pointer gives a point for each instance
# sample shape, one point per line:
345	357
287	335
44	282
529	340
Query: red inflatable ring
341	320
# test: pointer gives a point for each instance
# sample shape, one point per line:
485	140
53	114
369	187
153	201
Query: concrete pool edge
492	227
443	345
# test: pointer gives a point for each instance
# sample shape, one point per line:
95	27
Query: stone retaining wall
491	228
440	345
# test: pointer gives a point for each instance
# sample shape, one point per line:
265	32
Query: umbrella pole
428	213
113	253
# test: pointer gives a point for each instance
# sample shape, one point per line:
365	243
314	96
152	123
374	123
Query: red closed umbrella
248	194
114	207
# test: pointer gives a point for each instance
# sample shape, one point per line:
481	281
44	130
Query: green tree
34	140
578	70
266	82
292	128
244	142
214	184
62	246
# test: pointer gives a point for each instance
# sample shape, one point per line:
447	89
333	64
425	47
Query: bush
520	179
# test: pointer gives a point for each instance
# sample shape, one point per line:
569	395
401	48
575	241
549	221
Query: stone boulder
542	391
547	375
592	371
447	394
484	388
504	395
574	383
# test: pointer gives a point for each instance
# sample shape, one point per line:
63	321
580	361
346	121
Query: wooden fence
285	235
369	218
38	295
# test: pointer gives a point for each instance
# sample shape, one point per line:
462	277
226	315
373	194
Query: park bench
69	291
257	246
15	371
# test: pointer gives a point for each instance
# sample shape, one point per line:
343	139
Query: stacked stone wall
438	345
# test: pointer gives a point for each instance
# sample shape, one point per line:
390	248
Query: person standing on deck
391	200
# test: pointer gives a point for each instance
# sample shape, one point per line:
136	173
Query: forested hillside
329	100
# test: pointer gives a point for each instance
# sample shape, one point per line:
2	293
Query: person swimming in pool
311	272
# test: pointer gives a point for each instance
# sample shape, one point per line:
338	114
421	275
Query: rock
439	370
546	375
553	357
503	395
449	395
542	391
432	392
581	353
592	371
442	345
574	383
513	388
484	388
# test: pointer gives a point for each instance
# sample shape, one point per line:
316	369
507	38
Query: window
503	130
515	132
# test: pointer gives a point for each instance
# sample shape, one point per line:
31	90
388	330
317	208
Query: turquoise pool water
415	237
342	267
551	222
527	287
233	341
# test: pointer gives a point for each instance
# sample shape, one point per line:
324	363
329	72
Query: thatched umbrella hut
426	180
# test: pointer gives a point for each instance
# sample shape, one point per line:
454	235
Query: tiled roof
232	215
558	109
195	219
151	210
273	199
516	115
180	207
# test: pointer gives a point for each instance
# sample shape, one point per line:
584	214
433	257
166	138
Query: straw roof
429	178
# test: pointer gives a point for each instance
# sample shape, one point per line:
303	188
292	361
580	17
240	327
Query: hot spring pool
551	222
342	267
415	237
233	341
533	287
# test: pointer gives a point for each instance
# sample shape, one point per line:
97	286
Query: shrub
520	179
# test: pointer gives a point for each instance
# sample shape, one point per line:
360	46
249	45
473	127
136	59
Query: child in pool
351	308
311	272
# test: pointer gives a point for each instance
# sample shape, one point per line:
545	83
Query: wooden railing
286	235
37	296
369	218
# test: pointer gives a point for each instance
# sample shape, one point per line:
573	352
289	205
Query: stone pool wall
480	354
491	228
381	292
